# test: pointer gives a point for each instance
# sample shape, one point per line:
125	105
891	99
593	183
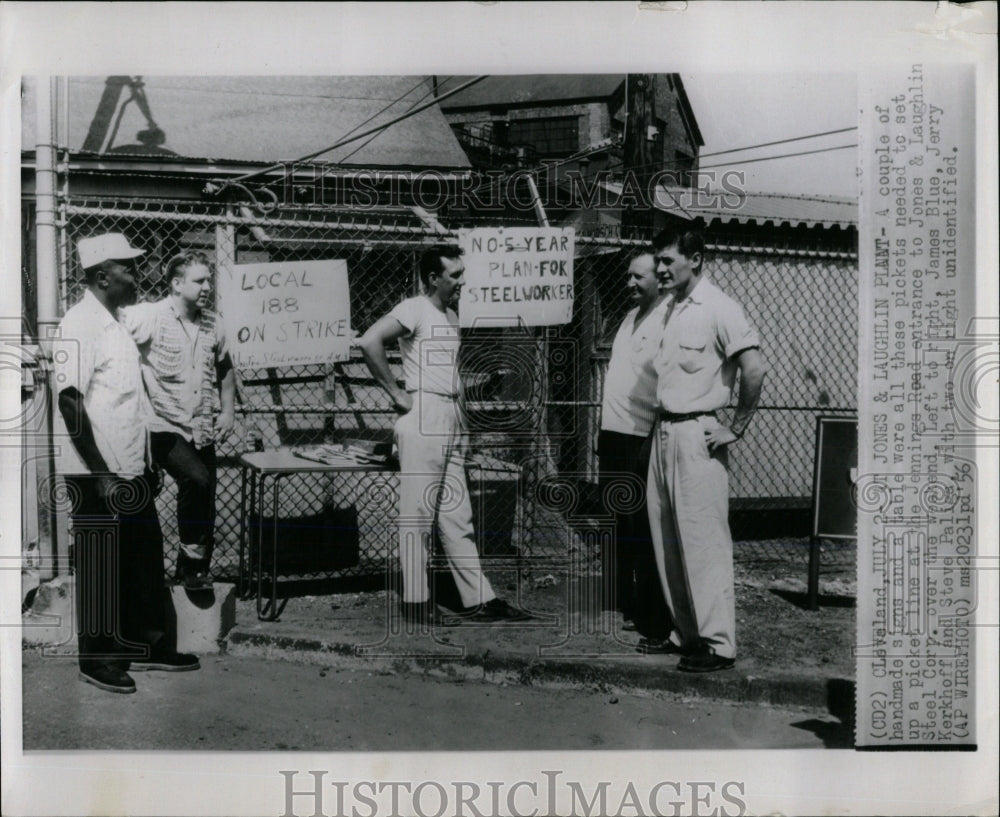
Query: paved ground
256	704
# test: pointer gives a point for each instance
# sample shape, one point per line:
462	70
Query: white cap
107	247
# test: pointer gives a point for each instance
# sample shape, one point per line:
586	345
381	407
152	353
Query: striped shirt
178	365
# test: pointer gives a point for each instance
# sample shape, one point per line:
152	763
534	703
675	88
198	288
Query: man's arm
752	371
373	343
227	397
138	319
82	435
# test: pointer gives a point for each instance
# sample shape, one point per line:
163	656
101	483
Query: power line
376	135
779	142
340	143
675	163
384	109
780	156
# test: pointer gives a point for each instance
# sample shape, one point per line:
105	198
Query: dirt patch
777	635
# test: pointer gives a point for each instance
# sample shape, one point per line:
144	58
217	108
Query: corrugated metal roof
761	208
259	119
525	89
756	208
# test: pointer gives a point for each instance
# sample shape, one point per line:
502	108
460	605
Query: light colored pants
432	488
688	502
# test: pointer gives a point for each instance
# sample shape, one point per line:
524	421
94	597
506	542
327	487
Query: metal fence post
46	235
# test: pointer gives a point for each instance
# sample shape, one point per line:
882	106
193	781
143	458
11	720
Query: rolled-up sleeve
221	342
734	331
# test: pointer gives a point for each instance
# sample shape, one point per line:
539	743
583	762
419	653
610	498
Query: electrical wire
674	163
375	136
341	142
781	156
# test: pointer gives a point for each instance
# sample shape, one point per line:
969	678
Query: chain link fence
533	396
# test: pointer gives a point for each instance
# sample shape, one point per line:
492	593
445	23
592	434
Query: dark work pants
630	568
121	599
193	469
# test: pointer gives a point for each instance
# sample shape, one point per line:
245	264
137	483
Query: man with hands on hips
706	340
432	441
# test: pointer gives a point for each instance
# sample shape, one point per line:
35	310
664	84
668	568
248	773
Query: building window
552	136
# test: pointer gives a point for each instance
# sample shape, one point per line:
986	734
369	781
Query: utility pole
639	168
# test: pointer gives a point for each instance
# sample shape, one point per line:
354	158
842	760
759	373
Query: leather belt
670	417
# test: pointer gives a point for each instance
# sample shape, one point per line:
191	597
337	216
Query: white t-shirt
430	347
629	404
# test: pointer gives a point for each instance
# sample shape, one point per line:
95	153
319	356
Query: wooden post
637	219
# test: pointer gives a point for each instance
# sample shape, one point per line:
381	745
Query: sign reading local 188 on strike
517	276
288	313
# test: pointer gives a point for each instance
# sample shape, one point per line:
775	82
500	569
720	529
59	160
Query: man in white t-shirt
628	411
432	440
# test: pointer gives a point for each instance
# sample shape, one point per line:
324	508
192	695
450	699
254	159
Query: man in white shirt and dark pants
628	411
102	421
432	441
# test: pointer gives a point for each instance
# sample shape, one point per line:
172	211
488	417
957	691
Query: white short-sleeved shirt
96	355
696	366
629	401
430	346
175	354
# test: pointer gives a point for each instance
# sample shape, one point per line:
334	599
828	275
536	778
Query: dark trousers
121	599
193	469
630	567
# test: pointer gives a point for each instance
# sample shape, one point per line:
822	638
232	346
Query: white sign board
286	313
517	276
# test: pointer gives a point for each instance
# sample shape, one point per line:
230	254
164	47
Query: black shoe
493	611
421	613
110	679
658	646
704	659
167	662
193	573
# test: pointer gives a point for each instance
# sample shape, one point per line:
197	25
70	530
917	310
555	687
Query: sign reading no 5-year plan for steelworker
517	276
286	314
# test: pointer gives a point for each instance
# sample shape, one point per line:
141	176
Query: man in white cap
118	556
